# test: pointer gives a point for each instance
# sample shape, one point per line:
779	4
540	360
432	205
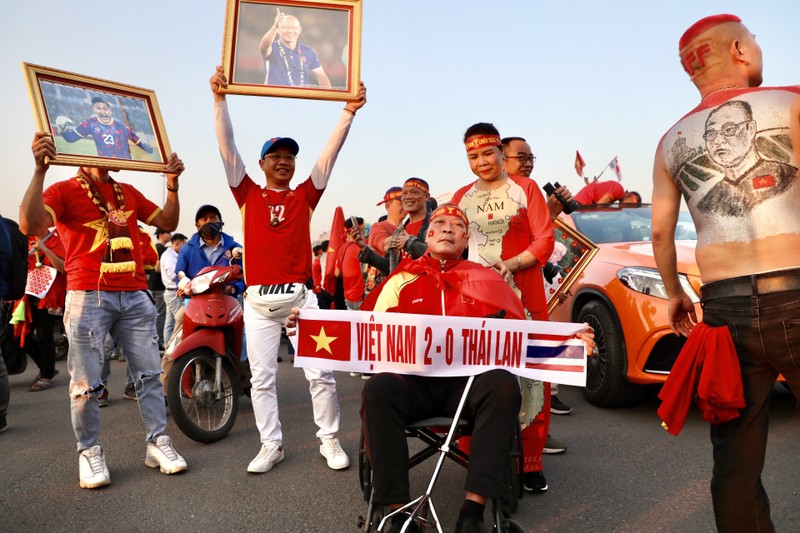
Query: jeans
130	317
263	342
173	304
161	310
5	389
766	332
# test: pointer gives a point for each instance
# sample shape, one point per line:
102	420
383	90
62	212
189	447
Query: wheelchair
440	435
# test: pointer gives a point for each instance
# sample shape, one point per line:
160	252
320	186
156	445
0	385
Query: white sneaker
269	456
92	468
161	455
333	452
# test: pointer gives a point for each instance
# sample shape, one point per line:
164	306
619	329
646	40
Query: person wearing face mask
209	246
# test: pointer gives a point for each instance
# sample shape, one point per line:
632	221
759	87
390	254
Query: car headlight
648	281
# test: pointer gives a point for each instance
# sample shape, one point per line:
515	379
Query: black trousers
765	327
391	401
40	344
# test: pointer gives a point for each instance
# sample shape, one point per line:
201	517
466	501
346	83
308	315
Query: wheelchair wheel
364	469
502	522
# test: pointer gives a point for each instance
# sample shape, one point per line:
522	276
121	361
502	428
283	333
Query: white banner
371	342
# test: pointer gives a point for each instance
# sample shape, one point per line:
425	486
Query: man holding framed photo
277	264
288	61
106	293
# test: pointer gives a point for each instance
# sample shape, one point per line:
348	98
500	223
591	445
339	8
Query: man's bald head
714	43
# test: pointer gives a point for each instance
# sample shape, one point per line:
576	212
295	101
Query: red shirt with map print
83	230
276	253
504	222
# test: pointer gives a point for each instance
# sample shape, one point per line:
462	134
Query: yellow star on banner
323	341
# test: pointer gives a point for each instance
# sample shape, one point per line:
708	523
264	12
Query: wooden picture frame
98	123
575	251
315	51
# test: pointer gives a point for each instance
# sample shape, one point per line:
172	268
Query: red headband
450	210
481	141
417	184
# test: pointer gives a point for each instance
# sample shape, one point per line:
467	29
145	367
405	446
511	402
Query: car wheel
606	385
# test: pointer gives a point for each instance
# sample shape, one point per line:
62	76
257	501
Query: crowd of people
111	285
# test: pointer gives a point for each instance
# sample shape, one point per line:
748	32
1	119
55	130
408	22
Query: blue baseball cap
279	142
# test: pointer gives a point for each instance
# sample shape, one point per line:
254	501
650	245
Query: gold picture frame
98	123
315	51
575	251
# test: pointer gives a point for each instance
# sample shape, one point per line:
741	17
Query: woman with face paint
209	246
510	230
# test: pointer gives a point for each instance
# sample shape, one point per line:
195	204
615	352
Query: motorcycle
206	378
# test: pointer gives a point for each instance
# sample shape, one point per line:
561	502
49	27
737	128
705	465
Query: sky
599	77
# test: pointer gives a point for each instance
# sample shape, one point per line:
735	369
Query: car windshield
625	224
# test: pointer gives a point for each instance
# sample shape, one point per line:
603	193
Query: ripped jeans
130	317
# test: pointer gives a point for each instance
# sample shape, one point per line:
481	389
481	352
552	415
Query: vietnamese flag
579	163
323	339
336	241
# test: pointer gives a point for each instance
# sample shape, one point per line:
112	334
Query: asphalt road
622	472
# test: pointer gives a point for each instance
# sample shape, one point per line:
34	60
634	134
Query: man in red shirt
606	192
380	233
349	268
96	218
276	222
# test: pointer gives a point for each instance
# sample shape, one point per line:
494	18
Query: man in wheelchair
441	283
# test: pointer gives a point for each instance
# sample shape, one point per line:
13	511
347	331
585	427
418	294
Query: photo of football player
111	137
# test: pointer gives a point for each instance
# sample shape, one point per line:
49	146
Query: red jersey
378	233
352	278
84	231
504	222
276	253
57	293
316	274
592	193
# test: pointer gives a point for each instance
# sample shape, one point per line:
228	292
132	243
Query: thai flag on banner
554	352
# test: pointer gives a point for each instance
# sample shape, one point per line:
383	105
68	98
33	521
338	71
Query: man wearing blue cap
277	263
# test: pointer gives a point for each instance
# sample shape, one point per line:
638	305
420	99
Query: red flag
336	241
325	339
579	163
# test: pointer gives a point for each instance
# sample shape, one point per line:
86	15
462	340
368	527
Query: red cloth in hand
707	370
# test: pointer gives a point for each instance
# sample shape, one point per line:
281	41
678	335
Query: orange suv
621	295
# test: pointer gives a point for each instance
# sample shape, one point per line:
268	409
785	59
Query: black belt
753	285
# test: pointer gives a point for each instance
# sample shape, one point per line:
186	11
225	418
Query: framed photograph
293	48
98	123
571	254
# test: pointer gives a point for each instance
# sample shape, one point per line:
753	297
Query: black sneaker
534	482
553	446
397	524
469	524
130	392
3	424
557	407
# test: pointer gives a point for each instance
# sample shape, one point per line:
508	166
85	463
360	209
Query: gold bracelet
350	111
170	189
519	264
